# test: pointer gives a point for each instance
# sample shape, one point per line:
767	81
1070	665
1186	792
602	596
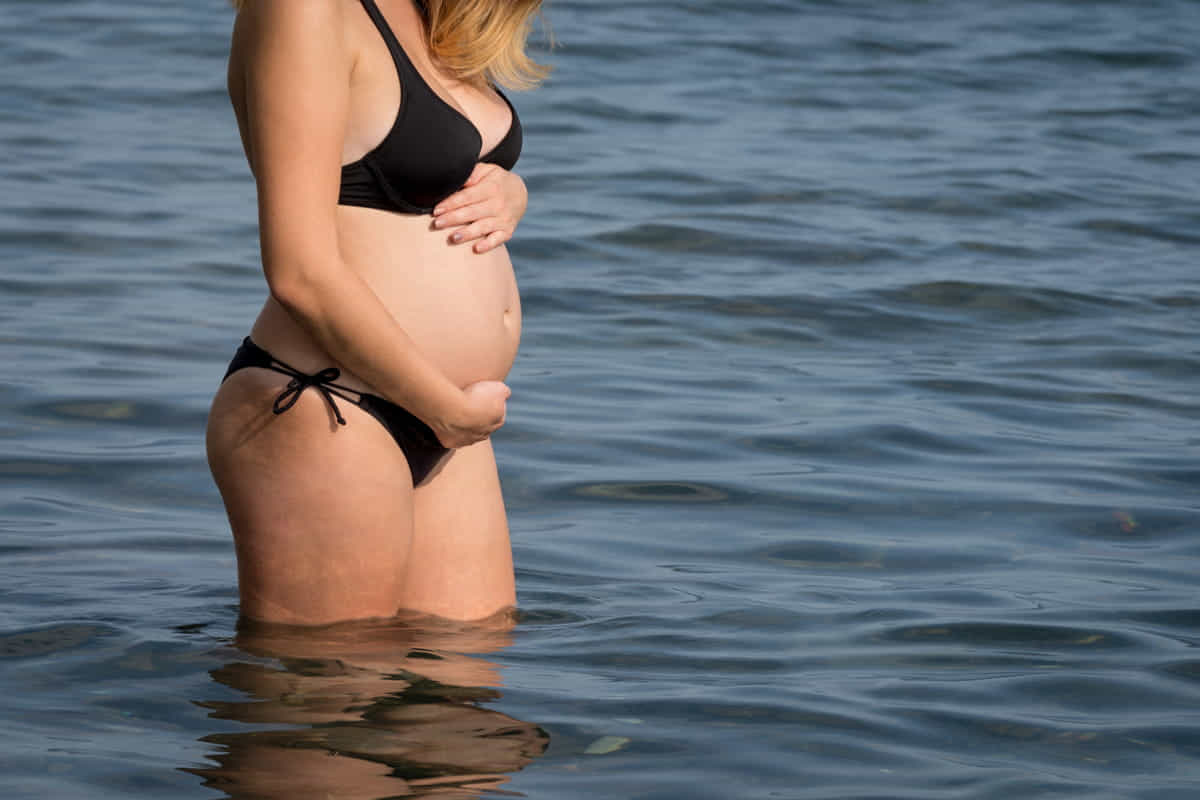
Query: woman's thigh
322	514
460	565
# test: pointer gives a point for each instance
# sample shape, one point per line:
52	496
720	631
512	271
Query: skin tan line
327	525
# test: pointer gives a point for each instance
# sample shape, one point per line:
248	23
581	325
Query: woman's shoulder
290	22
284	48
297	31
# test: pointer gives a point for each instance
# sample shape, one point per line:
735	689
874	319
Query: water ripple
852	452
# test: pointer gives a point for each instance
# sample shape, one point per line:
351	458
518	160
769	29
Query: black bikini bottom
414	438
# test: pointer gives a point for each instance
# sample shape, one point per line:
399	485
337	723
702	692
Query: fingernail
457	237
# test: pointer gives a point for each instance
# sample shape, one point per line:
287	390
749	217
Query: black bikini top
429	152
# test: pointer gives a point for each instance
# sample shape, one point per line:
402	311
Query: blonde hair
480	41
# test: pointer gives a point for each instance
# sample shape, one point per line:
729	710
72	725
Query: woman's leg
322	514
460	565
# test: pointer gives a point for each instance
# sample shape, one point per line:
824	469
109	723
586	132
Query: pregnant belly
460	308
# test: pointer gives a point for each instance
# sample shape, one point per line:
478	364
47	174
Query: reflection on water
367	710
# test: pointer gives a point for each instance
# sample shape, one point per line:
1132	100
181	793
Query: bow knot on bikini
321	381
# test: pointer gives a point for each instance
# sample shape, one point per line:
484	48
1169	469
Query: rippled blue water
853	452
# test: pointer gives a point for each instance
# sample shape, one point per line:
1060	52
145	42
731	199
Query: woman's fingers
492	241
489	404
480	172
465	215
485	211
470	193
484	410
476	230
460	199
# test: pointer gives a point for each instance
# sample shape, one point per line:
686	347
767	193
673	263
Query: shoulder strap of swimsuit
399	56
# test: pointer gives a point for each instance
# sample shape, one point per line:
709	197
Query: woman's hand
486	210
480	415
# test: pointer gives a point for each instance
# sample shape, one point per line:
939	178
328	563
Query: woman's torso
459	307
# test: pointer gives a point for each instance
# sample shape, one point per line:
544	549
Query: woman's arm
297	98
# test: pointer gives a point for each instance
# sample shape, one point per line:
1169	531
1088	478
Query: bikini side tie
322	381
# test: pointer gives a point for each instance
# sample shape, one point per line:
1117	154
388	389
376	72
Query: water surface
853	449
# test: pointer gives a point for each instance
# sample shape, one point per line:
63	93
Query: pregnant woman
349	438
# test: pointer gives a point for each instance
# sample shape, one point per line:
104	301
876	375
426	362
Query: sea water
853	450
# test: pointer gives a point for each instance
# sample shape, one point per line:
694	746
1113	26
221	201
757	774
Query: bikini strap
404	66
251	355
